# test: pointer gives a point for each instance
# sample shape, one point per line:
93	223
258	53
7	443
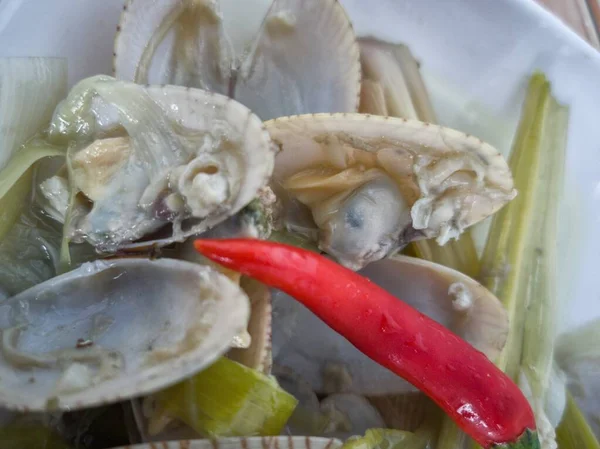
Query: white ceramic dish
476	56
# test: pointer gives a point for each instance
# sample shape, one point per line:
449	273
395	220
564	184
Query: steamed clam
115	329
153	163
365	186
268	57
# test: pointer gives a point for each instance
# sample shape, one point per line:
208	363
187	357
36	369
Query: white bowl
476	56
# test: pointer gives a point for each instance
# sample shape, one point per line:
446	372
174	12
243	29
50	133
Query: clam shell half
112	330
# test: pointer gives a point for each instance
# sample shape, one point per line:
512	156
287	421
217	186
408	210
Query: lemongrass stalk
574	432
13	202
538	287
16	178
226	399
30	88
393	86
505	262
509	255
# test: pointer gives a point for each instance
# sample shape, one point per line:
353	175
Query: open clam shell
369	185
159	163
330	364
250	51
112	330
246	443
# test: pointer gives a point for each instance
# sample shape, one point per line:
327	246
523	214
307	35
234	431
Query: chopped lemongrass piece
393	86
508	254
387	439
16	179
227	399
30	88
574	432
12	202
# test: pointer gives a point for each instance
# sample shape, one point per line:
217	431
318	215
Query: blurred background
583	16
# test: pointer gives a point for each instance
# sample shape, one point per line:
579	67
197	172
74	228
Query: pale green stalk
30	88
539	288
574	432
518	262
227	399
505	271
387	439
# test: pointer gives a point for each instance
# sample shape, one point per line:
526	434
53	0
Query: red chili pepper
479	397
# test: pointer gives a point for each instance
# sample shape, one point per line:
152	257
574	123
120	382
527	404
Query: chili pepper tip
207	247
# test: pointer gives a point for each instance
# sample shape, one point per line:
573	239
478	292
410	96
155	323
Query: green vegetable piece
574	432
229	399
31	88
387	439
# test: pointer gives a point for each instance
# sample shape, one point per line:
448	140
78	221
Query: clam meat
154	163
365	186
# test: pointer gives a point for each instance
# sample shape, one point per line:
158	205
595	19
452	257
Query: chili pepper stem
529	440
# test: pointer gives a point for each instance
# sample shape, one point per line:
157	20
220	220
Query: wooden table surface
583	16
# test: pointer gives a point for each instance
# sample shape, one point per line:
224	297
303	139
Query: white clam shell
256	53
165	320
304	343
245	443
